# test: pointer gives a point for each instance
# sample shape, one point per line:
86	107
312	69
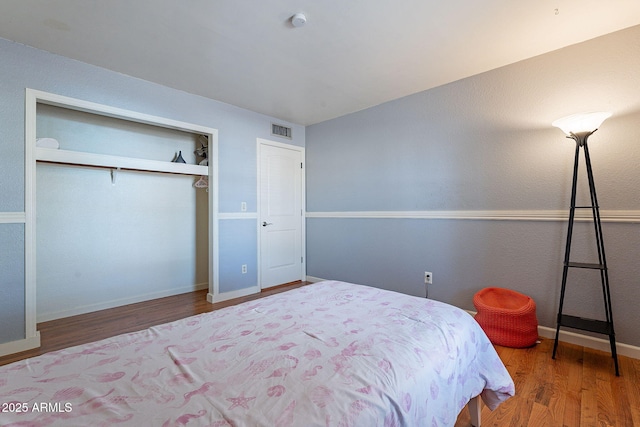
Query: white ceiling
352	54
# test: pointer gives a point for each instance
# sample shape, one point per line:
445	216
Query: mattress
326	354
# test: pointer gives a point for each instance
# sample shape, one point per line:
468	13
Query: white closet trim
34	97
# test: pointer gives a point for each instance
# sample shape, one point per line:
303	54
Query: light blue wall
12	281
24	67
481	144
235	234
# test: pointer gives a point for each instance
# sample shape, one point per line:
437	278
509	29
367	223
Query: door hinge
301	260
300	165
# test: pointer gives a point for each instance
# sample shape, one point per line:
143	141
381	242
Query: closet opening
114	216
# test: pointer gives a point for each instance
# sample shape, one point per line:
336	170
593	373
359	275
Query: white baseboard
590	342
20	345
314	279
585	340
225	296
45	317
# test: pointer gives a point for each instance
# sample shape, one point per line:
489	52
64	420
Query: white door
280	213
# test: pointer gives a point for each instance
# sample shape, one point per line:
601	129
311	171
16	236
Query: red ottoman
507	317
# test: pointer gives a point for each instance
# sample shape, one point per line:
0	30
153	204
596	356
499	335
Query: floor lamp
579	127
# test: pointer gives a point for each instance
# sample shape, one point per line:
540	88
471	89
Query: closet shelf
114	162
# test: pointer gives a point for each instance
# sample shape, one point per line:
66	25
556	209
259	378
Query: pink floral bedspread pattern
327	354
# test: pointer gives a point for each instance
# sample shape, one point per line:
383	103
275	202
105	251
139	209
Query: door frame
260	142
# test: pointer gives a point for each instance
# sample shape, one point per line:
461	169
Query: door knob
265	223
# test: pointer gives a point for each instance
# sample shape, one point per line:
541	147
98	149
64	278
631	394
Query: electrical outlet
428	278
243	206
244	268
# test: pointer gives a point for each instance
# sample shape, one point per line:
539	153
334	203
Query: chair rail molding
621	216
13	217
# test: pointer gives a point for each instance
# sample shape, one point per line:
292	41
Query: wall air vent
281	131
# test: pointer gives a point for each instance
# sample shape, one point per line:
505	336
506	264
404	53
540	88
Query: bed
325	354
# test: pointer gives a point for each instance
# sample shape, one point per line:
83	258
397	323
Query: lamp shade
579	123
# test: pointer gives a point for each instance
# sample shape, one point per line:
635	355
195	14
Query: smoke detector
298	20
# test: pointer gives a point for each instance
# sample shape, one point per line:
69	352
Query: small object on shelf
179	158
47	143
203	151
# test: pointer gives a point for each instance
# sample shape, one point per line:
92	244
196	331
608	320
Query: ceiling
351	55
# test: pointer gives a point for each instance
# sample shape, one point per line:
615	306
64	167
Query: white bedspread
327	354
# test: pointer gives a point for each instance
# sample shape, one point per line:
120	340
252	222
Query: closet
111	218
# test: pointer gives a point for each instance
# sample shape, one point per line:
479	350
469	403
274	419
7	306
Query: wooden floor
84	328
579	388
